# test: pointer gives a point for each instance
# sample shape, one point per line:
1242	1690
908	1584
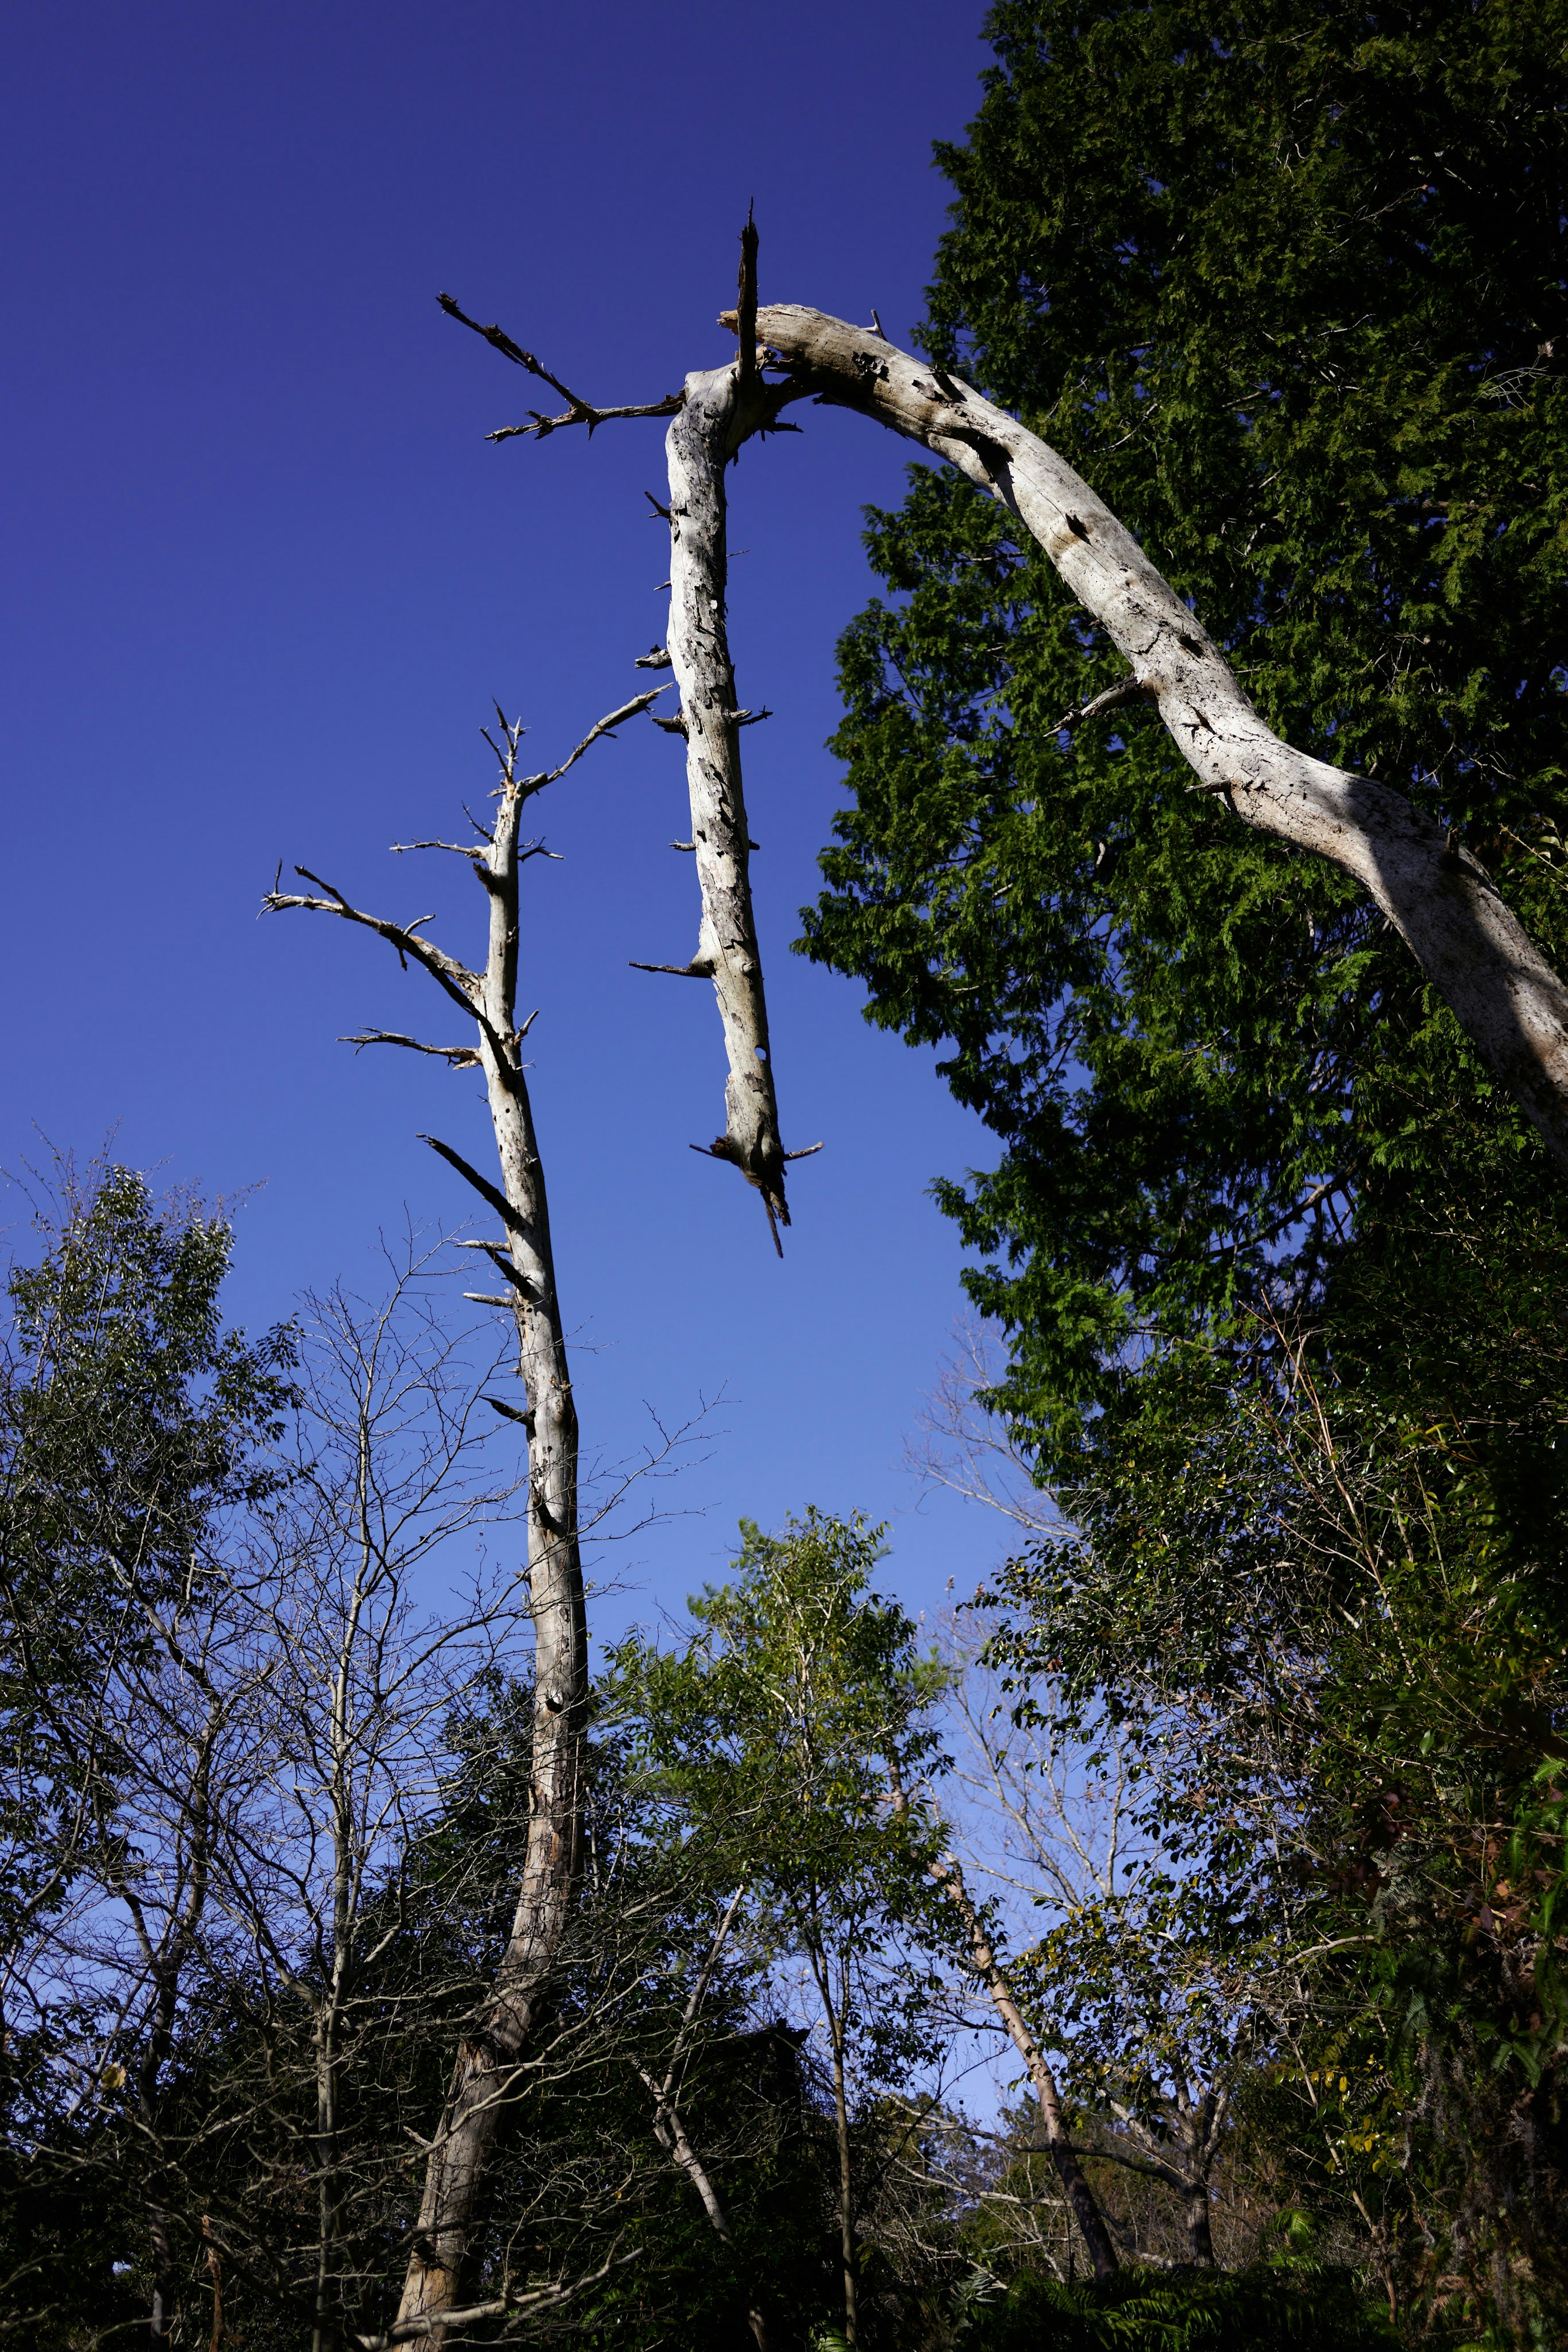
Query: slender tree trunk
1471	947
323	2334
673	2138
485	2076
1194	2118
160	2041
1081	2198
670	2130
215	2273
485	2073
1199	2236
164	1966
328	2012
837	2013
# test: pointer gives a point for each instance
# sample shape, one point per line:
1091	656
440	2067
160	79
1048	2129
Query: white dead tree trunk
718	409
489	2059
1510	1003
721	408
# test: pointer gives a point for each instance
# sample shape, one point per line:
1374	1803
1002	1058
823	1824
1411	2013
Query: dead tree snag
487	2072
715	412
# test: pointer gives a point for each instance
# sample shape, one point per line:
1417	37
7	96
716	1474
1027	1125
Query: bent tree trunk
1081	2198
1510	1003
488	2070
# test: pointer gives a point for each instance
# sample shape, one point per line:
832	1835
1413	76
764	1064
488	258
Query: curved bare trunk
1075	2189
1510	1003
1080	2198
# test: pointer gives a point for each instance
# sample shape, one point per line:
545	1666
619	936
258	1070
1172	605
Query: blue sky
266	577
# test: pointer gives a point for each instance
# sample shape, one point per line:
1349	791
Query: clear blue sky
266	576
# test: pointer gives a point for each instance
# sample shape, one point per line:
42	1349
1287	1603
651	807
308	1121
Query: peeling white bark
1510	1003
483	2075
716	411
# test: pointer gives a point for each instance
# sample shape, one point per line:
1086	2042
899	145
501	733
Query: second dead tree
1464	936
485	2074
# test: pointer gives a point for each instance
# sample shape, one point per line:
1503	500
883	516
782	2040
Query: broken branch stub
1473	948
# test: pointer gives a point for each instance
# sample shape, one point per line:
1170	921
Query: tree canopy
1289	288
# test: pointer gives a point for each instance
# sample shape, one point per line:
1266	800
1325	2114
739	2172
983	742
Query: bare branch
460	984
505	2306
498	1258
485	1190
746	308
1126	689
510	1413
461	1057
578	411
606	726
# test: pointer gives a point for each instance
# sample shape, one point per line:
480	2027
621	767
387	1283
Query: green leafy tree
132	1428
1279	1271
1355	1609
776	1729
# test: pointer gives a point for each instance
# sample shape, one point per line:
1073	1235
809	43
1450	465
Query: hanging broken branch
944	1872
718	409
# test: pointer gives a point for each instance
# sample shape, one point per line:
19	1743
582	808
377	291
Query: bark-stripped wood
717	410
722	407
1471	947
699	445
487	2067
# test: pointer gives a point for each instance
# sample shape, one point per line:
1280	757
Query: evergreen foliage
1288	284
